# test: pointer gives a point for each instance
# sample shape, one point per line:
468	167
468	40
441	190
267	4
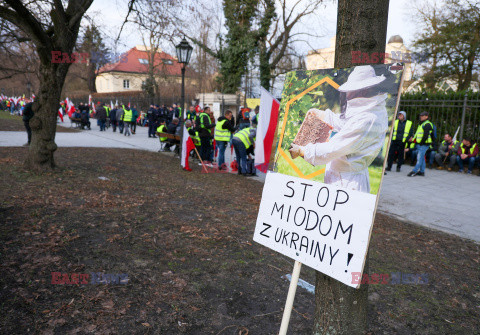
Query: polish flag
267	124
111	104
187	146
60	113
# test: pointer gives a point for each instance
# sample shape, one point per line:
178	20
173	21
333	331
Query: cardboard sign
333	132
322	226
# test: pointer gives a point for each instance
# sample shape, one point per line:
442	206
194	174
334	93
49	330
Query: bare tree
156	22
277	35
51	27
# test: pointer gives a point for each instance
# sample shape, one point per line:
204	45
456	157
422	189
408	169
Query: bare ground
185	242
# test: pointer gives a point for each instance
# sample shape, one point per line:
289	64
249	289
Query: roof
396	39
136	61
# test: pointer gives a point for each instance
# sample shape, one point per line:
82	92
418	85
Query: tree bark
265	66
91	76
361	26
44	122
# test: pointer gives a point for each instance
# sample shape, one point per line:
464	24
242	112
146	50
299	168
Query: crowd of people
423	149
211	137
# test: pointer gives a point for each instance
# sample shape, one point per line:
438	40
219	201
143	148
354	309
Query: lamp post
29	89
184	52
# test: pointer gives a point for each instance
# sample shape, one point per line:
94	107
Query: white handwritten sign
325	227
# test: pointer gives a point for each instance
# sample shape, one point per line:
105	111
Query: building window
143	61
167	61
126	83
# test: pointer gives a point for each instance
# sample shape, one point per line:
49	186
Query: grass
4	115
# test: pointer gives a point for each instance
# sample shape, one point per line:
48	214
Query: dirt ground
15	123
184	239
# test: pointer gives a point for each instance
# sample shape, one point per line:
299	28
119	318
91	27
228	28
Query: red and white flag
267	124
60	113
187	146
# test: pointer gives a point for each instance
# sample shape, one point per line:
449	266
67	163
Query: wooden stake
200	158
290	297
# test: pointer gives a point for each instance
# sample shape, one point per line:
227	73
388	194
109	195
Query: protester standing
205	135
113	118
402	131
27	116
127	119
101	115
121	124
223	130
423	138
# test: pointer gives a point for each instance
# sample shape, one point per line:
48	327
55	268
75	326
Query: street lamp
29	89
184	52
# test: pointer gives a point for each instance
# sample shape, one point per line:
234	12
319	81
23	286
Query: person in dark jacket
101	115
113	119
402	132
27	116
172	128
85	117
135	115
204	127
151	123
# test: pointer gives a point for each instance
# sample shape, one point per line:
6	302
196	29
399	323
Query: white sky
111	13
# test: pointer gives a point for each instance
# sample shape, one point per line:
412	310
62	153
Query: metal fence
141	103
447	112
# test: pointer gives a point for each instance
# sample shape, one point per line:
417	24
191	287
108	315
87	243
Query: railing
447	113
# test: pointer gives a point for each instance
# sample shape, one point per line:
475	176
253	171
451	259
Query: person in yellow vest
447	151
193	133
243	141
467	154
107	110
402	132
423	138
203	127
163	140
127	119
223	131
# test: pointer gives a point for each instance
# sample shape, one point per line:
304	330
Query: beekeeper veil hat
361	77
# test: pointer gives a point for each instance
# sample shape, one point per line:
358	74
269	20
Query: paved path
442	200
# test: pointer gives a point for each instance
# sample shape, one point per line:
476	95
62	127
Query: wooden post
290	298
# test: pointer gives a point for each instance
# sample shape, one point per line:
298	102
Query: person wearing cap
359	132
423	138
402	132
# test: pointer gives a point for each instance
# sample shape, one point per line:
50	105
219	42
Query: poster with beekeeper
334	125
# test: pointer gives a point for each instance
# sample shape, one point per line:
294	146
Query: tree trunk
265	67
91	76
361	26
44	122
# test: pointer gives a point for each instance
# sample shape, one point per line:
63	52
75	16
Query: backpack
246	114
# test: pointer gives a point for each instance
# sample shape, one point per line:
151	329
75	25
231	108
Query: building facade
130	72
395	49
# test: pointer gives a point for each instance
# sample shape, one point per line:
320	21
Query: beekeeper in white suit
360	132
